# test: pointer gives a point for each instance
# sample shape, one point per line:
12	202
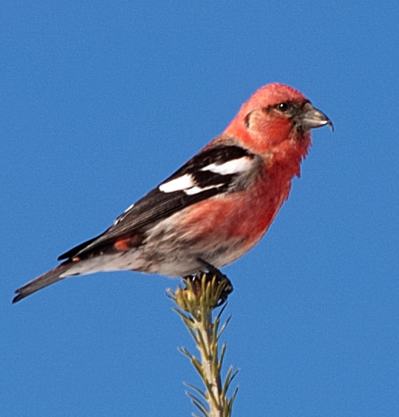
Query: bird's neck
284	152
286	157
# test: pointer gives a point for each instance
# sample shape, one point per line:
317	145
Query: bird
214	208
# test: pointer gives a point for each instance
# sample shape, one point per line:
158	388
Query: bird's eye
283	107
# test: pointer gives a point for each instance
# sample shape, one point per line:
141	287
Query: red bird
216	206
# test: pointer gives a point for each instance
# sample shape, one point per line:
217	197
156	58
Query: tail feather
42	281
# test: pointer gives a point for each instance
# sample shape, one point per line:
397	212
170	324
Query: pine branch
195	303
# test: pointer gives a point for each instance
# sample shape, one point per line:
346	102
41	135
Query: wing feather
158	205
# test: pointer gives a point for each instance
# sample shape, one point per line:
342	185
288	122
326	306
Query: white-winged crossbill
216	206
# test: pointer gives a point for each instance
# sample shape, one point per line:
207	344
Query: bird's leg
213	273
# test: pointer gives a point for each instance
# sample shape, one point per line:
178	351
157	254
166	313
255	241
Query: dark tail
42	281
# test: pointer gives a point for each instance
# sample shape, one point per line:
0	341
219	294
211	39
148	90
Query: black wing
158	204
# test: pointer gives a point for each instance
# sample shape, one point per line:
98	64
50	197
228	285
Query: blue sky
101	101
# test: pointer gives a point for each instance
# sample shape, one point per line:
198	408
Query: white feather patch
178	184
196	189
119	218
129	208
231	167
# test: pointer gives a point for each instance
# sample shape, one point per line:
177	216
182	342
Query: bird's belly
217	231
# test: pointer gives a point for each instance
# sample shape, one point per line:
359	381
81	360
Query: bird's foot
211	273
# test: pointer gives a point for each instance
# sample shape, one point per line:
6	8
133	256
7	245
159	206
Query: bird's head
277	115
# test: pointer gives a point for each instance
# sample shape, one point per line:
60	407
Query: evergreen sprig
195	303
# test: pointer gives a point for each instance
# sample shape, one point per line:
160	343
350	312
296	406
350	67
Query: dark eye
283	107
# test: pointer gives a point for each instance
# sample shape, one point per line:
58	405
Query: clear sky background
102	100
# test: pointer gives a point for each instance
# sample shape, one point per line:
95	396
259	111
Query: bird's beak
310	118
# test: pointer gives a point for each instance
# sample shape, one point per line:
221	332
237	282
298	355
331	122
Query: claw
213	272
